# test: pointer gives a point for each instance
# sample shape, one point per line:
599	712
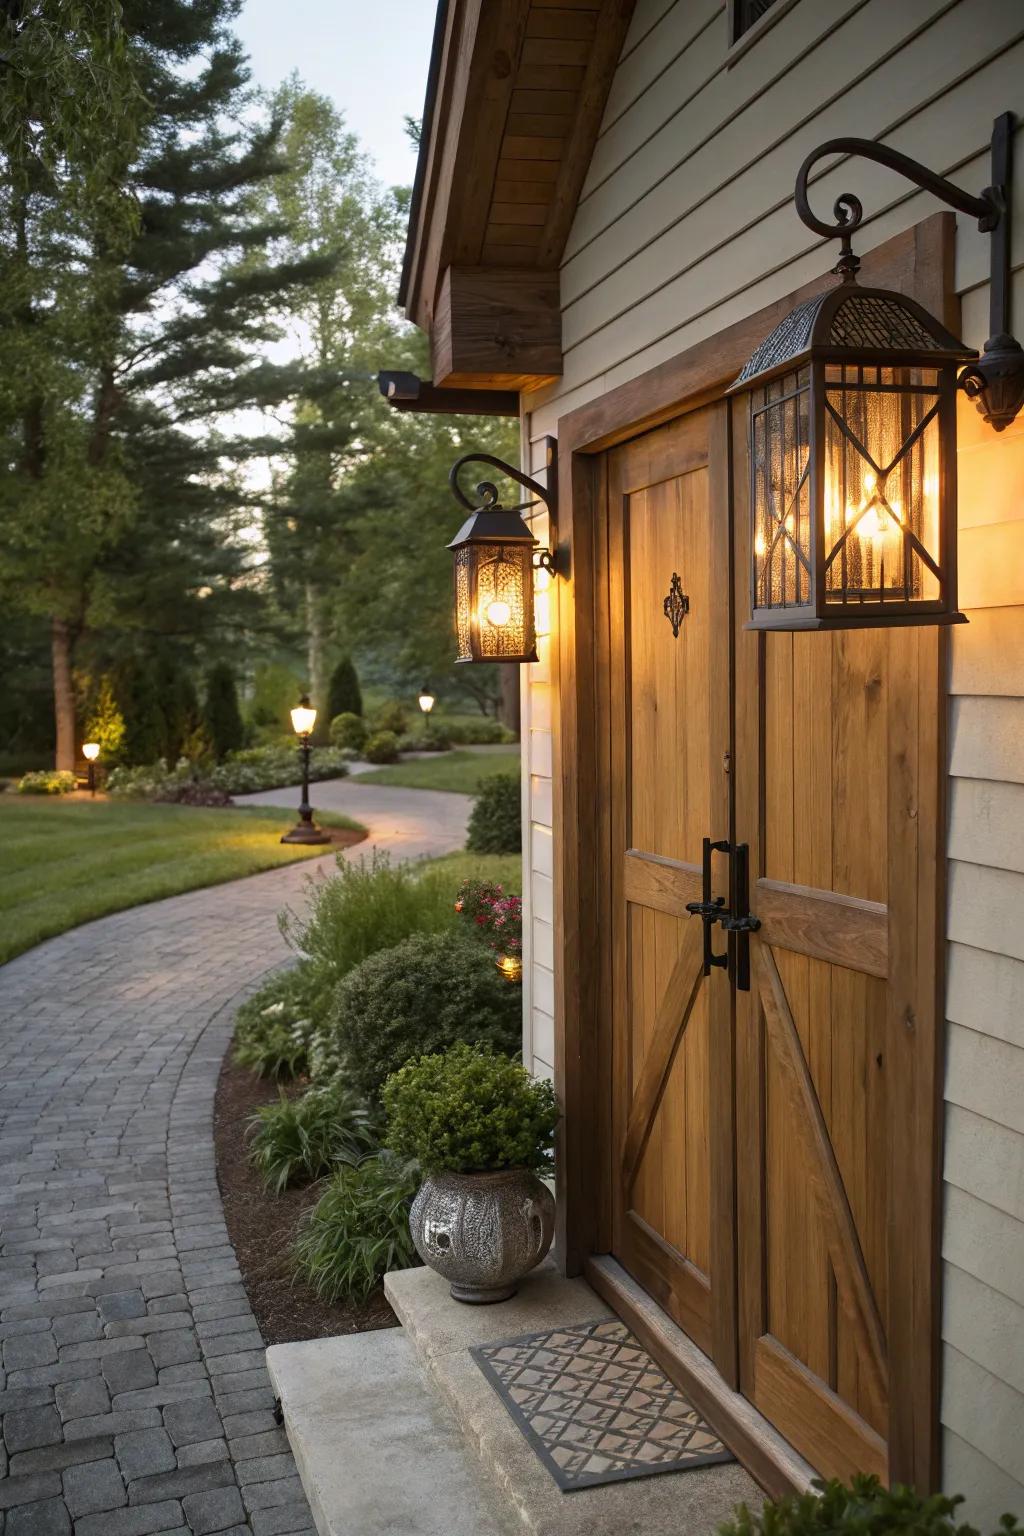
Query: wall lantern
853	428
495	559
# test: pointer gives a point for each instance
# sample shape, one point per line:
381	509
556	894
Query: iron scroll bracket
487	492
996	381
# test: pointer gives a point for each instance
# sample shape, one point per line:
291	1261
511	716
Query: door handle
737	921
710	909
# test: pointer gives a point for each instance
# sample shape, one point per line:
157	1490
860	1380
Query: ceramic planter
483	1231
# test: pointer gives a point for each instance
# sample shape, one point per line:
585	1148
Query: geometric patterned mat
595	1407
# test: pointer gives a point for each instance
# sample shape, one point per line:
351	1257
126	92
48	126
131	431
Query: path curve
134	1396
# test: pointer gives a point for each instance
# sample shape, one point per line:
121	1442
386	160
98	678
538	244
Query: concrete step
442	1331
377	1450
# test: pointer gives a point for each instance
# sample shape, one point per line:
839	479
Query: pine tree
222	717
123	344
344	695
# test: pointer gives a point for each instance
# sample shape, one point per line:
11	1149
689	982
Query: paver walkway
134	1395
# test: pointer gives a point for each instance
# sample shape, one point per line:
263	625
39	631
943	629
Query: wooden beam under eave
497	328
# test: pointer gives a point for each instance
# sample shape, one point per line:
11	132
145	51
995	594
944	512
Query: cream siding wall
685	225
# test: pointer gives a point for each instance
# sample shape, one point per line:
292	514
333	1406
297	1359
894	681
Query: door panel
667	730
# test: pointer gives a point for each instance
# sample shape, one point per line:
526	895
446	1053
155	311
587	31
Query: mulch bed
262	1227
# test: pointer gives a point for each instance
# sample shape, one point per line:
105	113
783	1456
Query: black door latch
737	921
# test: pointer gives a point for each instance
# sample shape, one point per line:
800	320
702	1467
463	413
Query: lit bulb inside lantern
498	614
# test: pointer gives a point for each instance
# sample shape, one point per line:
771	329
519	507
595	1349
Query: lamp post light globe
305	829
91	751
426	699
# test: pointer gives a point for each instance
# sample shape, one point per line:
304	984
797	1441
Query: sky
370	56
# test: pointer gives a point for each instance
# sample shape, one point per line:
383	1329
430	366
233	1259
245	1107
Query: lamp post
305	829
426	700
91	751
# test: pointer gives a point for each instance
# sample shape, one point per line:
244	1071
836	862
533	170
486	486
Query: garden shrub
272	1027
348	730
864	1508
492	916
495	822
368	905
195	792
390	716
298	1140
359	1229
343	693
221	714
382	747
470	1111
46	781
421	996
484	732
243	772
429	739
105	722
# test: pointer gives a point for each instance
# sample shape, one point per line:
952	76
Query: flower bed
241	773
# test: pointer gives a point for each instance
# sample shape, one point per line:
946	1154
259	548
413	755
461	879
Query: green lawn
505	869
458	771
63	864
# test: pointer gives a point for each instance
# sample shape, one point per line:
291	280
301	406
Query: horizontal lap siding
685	225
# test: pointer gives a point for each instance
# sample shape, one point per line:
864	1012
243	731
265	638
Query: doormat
595	1407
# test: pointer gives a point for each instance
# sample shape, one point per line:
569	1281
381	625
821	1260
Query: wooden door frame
918	262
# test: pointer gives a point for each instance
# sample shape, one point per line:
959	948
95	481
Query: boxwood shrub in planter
481	1129
421	996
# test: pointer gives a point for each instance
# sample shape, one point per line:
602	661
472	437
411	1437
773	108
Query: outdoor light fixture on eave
853	427
495	559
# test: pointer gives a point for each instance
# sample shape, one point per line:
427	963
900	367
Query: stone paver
134	1396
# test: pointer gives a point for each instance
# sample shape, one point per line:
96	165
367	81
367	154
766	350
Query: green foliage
241	773
46	782
348	730
298	1140
429	738
484	732
359	1229
343	695
274	691
391	716
368	905
272	1027
221	714
381	747
495	822
470	1111
864	1508
105	722
422	995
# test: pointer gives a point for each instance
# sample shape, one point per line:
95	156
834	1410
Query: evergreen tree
124	341
222	717
104	722
344	695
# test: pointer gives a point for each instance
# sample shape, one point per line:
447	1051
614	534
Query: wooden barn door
664	575
773	1164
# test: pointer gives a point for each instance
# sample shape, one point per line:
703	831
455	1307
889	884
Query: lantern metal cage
853	464
495	558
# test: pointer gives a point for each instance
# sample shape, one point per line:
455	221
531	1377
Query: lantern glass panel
463	602
503	588
881	486
781	483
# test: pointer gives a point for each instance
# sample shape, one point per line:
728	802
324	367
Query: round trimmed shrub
420	997
495	822
391	716
382	747
348	731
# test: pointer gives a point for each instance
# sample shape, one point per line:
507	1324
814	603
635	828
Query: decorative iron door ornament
676	605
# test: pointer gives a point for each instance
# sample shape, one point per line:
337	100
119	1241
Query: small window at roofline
744	15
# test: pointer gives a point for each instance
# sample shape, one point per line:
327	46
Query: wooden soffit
515	97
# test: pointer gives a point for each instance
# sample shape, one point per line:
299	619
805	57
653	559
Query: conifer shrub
419	997
104	722
495	822
348	730
344	696
221	714
381	747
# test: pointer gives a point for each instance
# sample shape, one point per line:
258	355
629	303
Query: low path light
305	829
853	427
91	751
495	559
